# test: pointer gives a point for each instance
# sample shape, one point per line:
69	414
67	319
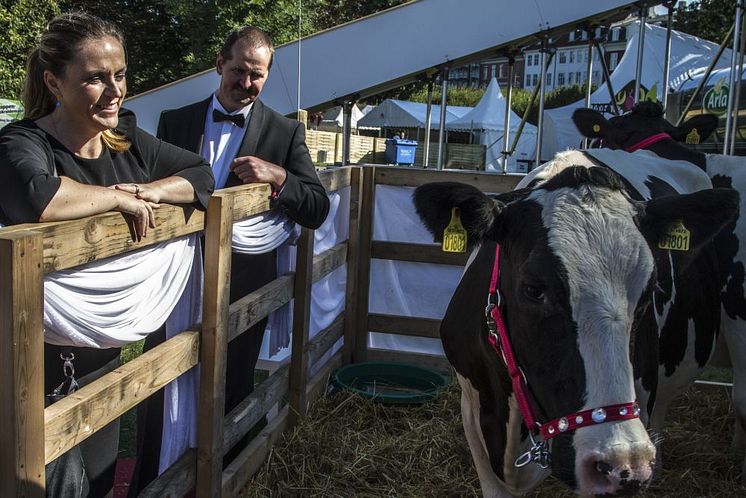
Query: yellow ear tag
596	128
675	238
693	137
454	236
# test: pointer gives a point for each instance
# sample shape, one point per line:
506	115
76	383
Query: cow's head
577	274
646	120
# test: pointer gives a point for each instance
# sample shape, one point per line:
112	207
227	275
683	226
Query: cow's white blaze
591	230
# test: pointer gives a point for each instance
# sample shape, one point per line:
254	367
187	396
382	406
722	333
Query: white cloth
120	300
221	141
261	233
113	302
180	396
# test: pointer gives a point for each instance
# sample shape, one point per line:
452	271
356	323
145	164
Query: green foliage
457	95
21	23
708	19
555	98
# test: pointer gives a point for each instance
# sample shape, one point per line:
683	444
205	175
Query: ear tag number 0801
675	238
454	236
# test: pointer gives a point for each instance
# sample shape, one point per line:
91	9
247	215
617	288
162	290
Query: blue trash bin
400	150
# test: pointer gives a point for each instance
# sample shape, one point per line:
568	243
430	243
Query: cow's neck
670	149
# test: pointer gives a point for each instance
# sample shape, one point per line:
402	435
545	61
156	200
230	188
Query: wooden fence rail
33	435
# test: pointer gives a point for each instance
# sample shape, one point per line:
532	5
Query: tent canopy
335	115
393	113
689	55
489	113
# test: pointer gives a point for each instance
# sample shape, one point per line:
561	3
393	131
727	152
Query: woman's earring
57	103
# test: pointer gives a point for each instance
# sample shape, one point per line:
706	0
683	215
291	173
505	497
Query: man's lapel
196	128
250	139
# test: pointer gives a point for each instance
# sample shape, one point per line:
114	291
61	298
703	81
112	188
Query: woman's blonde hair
59	44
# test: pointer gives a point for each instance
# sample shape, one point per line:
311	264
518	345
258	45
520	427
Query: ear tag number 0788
675	238
454	236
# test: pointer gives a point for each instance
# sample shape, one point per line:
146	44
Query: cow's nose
618	479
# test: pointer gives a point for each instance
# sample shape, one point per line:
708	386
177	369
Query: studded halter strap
498	338
647	142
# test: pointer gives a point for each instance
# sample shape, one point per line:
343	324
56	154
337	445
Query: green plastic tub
386	382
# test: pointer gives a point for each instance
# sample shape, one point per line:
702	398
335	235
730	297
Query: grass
128	421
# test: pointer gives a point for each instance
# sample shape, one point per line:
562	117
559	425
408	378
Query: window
528	60
578	77
570	77
613	59
563	57
549	79
572	36
501	70
535	79
485	72
572	56
528	80
615	34
536	59
560	79
494	70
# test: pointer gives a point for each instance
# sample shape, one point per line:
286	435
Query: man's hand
251	169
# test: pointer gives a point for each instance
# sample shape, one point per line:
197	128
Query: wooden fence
326	149
33	436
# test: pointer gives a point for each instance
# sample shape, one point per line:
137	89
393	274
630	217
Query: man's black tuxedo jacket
269	136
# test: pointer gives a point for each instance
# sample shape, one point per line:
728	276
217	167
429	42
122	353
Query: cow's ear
593	124
686	222
434	203
696	129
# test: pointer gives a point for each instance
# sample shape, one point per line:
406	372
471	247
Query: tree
21	22
708	19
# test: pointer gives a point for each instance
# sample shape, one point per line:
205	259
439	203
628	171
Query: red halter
498	338
647	142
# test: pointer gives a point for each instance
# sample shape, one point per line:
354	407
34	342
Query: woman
75	154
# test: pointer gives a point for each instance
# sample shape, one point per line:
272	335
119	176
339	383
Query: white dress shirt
221	141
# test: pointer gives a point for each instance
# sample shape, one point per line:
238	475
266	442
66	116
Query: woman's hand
139	210
149	192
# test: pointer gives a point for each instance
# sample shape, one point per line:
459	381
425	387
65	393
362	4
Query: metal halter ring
137	189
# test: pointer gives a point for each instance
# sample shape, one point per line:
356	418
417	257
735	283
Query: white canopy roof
404	114
689	54
336	115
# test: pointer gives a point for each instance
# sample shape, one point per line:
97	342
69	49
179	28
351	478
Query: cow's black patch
731	272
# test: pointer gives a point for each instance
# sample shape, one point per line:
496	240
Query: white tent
393	113
487	121
689	54
335	116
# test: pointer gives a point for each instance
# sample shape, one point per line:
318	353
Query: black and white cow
645	126
586	296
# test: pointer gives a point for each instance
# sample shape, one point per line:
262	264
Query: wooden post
218	232
21	366
365	236
301	324
350	335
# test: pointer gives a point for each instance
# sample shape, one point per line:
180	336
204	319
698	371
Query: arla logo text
715	100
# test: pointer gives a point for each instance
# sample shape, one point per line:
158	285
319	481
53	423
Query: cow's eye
534	293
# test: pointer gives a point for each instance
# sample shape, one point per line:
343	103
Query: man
245	142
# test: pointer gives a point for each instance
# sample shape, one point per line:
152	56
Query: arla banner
715	100
10	110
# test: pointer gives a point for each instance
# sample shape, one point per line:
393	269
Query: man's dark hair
252	35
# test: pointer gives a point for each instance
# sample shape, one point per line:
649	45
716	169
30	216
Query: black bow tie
236	119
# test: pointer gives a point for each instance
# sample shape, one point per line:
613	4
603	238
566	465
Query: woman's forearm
173	190
76	200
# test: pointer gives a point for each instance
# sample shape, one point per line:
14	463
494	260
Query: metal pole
524	118
732	89
589	73
737	84
508	104
442	131
706	76
640	50
346	131
542	92
428	117
607	78
667	56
